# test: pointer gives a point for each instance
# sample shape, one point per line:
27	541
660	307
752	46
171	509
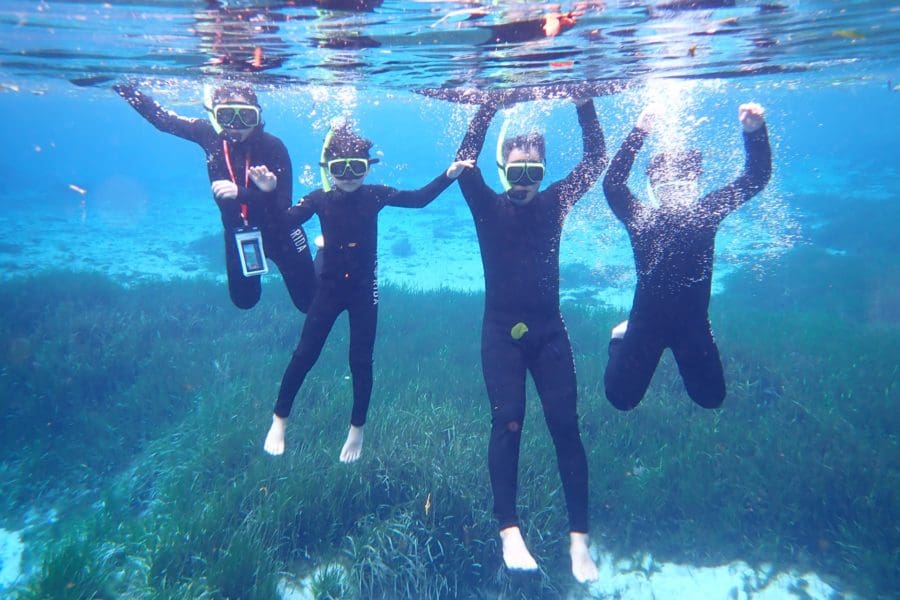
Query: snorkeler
250	173
523	330
673	247
348	214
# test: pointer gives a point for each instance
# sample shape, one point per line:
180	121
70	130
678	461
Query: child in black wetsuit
236	150
348	214
673	253
523	331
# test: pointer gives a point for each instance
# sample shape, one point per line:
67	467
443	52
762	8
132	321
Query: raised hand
456	169
264	179
648	117
752	116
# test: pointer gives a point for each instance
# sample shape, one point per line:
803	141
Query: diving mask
524	173
349	168
236	116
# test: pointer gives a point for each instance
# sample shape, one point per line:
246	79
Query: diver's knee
244	303
622	399
302	299
713	399
507	420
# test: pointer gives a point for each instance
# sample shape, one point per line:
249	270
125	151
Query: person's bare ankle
516	556
353	446
583	566
274	443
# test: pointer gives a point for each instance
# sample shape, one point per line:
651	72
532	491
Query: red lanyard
234	180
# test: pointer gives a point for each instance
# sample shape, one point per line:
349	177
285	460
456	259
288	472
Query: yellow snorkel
326	185
500	170
208	105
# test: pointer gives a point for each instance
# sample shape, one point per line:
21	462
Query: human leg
363	323
295	262
632	361
553	370
325	308
503	365
699	363
322	313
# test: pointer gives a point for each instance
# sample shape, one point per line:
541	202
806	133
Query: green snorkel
501	172
326	185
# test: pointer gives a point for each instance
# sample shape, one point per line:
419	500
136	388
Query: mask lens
358	166
535	173
225	116
337	167
524	173
348	168
249	116
237	116
514	173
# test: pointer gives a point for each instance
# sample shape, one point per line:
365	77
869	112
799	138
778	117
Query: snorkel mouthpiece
519	195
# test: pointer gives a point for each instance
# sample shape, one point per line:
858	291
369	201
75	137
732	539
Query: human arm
420	197
166	121
757	165
623	203
473	141
586	173
304	209
471	181
271	179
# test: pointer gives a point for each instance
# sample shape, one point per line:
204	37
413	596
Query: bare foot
274	443
618	331
353	446
583	567
515	554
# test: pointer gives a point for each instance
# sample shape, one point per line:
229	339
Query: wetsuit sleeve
420	197
473	141
756	174
623	203
471	181
305	209
593	161
166	121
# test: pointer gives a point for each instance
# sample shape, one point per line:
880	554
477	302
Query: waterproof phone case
250	248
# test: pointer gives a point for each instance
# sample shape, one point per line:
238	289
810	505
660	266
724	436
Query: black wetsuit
286	245
520	255
348	281
673	254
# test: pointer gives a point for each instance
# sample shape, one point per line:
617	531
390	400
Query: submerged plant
157	436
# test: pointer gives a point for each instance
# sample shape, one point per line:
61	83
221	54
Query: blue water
89	186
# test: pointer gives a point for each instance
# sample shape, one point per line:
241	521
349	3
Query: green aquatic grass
170	392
